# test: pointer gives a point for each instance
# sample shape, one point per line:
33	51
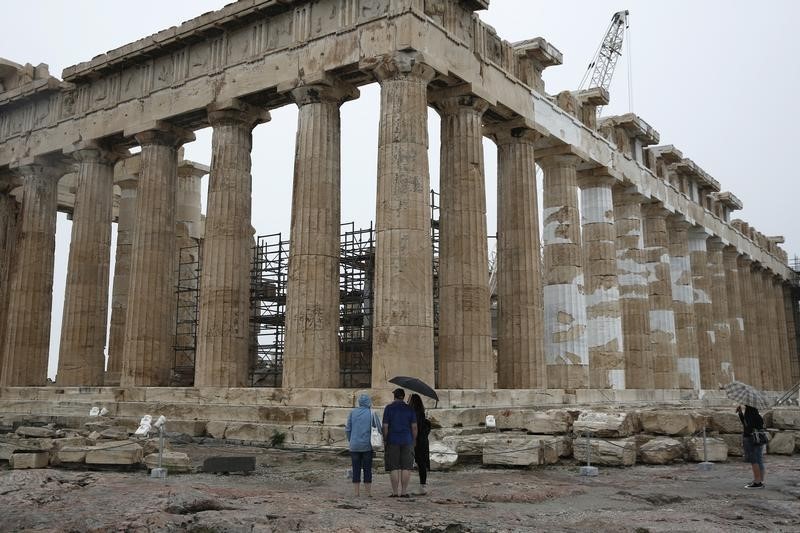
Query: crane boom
601	69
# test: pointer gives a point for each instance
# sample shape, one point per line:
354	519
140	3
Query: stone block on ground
215	429
115	453
673	423
786	418
114	433
619	452
661	451
35	432
734	443
72	454
606	424
725	422
23	460
781	443
151	445
31	445
229	463
442	456
540	422
174	462
512	451
6	449
194	428
716	450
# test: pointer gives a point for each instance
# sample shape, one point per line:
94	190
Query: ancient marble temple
635	275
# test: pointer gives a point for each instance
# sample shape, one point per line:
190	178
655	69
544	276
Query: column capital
655	210
625	193
159	132
408	64
236	111
450	105
743	261
95	151
48	167
596	177
328	90
678	222
559	160
715	244
512	131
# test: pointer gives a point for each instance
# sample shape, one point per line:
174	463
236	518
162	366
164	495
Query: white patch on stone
663	320
549	234
564	298
727	369
617	379
712	337
740	323
602	330
690	366
595	203
697	243
683	294
601	295
701	297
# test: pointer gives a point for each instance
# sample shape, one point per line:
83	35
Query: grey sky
718	79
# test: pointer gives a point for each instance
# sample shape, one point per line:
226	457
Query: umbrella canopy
416	385
745	394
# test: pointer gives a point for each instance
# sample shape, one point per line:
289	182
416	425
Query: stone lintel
539	51
634	127
475	5
667	153
777	239
159	132
729	200
594	96
463	89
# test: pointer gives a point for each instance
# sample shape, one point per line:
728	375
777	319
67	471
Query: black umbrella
416	385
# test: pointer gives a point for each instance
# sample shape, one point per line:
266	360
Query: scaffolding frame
187	304
435	212
268	277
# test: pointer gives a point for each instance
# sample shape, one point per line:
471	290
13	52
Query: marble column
403	318
122	268
703	308
633	289
750	329
311	358
223	333
770	347
791	331
148	353
30	296
663	336
683	303
520	346
565	321
81	360
720	333
603	309
465	333
8	241
784	366
733	292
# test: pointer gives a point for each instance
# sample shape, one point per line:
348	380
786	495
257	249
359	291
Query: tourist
359	425
753	452
422	453
399	436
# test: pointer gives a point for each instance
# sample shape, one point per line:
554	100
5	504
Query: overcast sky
718	79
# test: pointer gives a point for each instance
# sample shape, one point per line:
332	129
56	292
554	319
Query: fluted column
603	310
683	304
733	291
760	332
8	242
126	219
633	289
465	333
750	330
311	358
520	346
783	363
565	322
148	353
769	350
223	333
791	331
663	336
703	308
30	297
81	360
720	333
403	327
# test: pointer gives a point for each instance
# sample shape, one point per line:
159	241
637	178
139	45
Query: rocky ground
308	491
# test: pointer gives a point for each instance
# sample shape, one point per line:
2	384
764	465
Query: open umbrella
745	394
416	385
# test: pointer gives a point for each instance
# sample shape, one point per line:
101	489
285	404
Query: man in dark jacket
753	452
399	437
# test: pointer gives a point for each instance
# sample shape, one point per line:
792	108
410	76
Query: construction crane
601	69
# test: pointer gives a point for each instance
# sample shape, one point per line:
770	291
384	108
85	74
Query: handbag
375	434
760	436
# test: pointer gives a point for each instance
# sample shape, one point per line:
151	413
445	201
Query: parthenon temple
636	280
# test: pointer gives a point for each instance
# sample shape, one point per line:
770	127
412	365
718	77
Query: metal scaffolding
268	277
435	263
186	315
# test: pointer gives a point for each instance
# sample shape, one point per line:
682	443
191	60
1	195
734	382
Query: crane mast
601	69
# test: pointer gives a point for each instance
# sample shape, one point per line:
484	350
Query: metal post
160	472
589	470
705	465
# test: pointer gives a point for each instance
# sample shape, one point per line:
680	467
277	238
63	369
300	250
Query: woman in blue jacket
360	421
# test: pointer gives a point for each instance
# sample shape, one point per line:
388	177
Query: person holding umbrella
422	452
752	424
399	437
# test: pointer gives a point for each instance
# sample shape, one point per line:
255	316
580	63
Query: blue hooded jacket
359	422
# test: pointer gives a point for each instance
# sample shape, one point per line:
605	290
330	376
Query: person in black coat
753	453
422	454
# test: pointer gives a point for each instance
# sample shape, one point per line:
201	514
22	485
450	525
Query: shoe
754	485
393	495
405	496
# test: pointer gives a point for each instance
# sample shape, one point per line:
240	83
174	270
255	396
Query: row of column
629	296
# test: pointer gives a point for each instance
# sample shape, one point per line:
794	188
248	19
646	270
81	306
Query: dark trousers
362	461
423	474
